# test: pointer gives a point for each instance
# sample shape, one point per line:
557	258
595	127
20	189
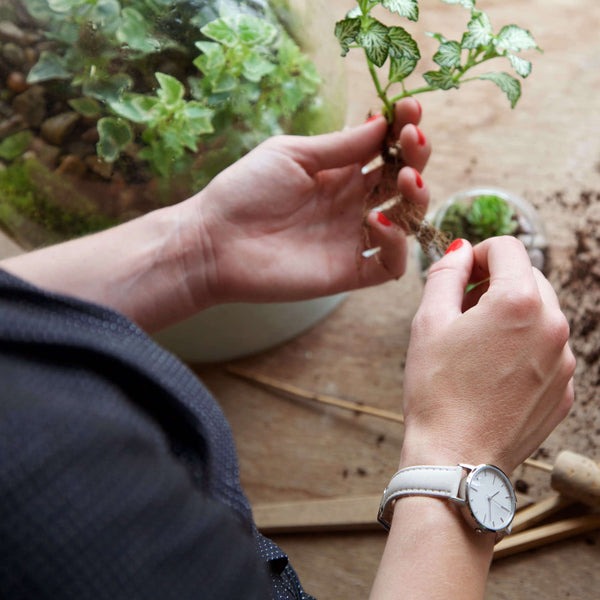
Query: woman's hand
286	222
486	384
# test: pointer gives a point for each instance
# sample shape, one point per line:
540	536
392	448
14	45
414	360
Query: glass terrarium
480	213
112	108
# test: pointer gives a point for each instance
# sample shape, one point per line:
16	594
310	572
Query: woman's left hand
287	222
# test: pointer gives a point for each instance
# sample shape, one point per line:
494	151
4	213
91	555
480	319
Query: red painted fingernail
420	107
421	138
455	245
418	179
383	219
373	118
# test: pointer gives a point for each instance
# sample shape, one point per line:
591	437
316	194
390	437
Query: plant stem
387	103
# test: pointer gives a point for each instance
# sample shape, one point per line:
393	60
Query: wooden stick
546	534
297	393
327	514
539	511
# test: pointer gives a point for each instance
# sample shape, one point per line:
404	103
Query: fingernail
418	179
383	219
373	118
419	106
455	245
421	138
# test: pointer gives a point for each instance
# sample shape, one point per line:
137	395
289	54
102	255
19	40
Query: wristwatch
484	493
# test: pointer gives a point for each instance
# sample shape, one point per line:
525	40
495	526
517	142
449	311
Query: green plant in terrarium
486	216
231	61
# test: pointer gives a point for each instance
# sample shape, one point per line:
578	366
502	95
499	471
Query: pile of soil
576	279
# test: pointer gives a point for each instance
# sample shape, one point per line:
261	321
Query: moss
34	203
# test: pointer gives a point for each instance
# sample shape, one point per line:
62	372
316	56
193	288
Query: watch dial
490	497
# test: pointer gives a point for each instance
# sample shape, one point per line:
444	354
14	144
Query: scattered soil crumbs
576	279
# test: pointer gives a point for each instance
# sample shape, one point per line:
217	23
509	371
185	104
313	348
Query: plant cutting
392	55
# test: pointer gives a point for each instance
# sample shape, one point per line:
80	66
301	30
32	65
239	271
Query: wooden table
293	450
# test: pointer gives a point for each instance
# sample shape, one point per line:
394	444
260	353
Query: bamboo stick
546	534
297	393
539	511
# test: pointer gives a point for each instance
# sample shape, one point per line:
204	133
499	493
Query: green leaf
448	55
401	68
402	45
404	8
507	83
224	83
480	32
13	146
514	39
520	65
212	62
437	36
468	4
171	89
134	32
441	79
49	66
199	117
104	12
63	6
88	107
256	67
375	41
254	31
137	108
347	32
114	134
220	31
107	90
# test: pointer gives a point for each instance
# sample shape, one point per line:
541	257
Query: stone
56	129
99	166
31	105
11	126
9	32
72	165
14	54
16	82
47	154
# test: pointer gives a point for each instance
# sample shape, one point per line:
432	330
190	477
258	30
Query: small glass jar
528	227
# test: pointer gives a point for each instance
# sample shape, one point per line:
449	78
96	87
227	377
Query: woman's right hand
486	384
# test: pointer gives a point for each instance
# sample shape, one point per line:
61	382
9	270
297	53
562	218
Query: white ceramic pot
231	331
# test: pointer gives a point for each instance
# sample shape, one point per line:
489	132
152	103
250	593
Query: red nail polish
372	118
418	179
383	219
455	245
421	138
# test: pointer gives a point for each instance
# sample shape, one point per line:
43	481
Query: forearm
140	268
431	554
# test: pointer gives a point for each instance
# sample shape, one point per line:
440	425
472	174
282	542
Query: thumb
339	149
446	283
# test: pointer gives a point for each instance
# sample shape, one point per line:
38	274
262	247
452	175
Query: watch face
490	497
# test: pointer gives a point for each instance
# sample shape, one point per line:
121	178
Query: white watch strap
428	480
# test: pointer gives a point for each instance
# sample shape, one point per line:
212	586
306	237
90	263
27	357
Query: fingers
408	111
442	299
416	149
388	246
508	265
334	150
390	237
359	144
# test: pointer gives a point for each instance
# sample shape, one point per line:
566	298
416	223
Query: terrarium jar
113	108
520	219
